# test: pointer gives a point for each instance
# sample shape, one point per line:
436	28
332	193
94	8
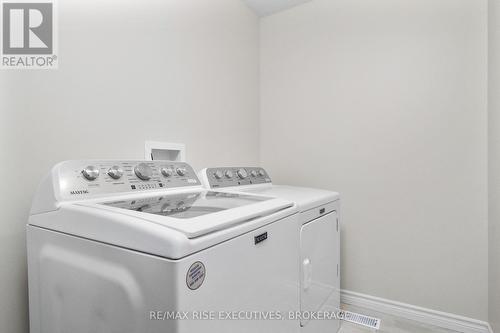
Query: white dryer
319	230
128	246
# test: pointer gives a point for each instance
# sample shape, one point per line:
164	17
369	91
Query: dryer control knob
228	174
143	171
167	172
253	173
115	172
218	174
91	172
242	173
262	173
181	171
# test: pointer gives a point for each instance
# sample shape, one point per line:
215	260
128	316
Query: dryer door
319	270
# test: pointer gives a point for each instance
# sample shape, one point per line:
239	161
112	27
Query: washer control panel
78	179
236	176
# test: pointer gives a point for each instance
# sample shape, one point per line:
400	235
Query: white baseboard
411	312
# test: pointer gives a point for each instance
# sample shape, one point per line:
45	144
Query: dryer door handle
307	273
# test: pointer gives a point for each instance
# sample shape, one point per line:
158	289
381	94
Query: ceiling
267	7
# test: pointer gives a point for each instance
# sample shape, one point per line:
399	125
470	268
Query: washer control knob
181	171
218	174
242	173
167	172
115	172
143	171
253	173
228	174
90	172
262	173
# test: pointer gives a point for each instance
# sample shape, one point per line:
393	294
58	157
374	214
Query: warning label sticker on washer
195	275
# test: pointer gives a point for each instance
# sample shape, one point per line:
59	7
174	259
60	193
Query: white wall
129	71
386	102
494	163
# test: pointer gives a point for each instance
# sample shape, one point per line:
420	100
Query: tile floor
388	324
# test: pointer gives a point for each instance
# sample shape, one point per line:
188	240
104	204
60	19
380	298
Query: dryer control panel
235	176
83	179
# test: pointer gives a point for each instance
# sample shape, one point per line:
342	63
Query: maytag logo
260	238
28	34
79	192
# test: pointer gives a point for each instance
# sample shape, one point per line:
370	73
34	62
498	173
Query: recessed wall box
166	151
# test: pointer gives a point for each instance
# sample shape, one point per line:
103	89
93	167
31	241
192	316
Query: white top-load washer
130	246
319	230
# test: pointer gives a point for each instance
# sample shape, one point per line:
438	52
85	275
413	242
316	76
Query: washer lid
198	213
187	205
